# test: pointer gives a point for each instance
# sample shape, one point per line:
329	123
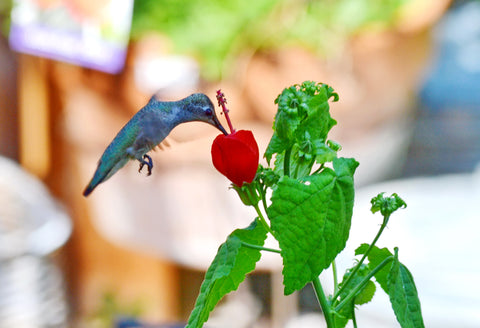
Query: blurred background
133	254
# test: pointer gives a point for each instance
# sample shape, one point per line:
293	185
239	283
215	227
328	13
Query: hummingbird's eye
208	112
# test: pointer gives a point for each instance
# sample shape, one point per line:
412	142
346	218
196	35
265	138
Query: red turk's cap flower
236	156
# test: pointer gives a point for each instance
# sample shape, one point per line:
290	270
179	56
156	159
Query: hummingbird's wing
166	143
153	130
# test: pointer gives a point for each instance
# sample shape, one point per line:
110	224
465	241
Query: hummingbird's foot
148	162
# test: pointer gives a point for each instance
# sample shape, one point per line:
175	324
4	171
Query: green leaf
324	153
404	297
375	257
229	268
275	146
285	126
335	146
364	295
398	283
311	220
340	319
318	122
367	293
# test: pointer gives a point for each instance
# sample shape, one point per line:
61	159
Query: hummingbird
147	129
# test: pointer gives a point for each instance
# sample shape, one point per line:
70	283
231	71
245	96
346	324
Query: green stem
362	283
357	267
261	248
251	189
354	320
324	304
335	278
263	221
263	196
286	162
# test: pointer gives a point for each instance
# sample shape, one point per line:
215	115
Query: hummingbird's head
200	108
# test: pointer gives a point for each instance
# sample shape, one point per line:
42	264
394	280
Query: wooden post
33	114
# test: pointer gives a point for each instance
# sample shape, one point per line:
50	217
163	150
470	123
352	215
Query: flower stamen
222	101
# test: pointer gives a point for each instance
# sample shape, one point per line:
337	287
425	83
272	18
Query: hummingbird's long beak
218	125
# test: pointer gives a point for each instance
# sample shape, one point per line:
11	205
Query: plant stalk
286	162
254	203
354	319
335	278
262	219
261	248
324	304
364	281
357	267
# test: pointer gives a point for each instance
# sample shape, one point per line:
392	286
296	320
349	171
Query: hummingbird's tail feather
88	190
103	173
98	178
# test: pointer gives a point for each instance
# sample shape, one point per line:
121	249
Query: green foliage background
215	31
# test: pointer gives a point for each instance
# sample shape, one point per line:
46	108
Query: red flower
236	156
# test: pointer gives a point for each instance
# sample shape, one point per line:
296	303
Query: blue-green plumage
146	129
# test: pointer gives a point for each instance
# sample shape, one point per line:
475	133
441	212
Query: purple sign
88	33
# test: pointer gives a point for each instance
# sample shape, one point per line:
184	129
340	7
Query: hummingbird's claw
147	162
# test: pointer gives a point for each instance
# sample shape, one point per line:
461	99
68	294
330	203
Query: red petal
236	156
